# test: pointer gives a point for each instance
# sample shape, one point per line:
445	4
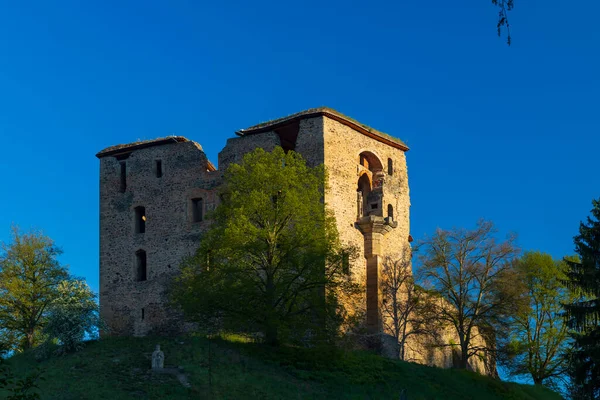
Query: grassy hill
119	368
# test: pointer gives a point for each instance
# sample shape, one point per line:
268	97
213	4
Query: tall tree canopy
583	314
475	275
539	337
271	260
29	277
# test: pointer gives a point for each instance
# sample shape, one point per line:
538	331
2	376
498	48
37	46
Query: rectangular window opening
140	219
159	171
143	314
123	177
197	210
142	271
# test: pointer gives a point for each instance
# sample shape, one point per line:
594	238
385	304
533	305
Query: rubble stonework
367	190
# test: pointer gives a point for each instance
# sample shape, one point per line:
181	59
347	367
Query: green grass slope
119	368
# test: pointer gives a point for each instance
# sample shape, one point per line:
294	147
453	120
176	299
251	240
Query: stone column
373	229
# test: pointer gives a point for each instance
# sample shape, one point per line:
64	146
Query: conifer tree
583	314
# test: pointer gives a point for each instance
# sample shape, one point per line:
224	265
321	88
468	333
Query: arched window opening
370	161
141	267
390	212
197	210
390	167
140	219
362	192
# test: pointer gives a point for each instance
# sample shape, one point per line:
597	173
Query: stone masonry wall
133	307
169	236
236	147
343	146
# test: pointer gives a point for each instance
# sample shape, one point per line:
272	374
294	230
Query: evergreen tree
583	314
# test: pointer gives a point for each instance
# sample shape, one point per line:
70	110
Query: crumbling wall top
330	113
121	148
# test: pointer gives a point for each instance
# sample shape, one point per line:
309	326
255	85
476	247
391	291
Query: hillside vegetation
119	368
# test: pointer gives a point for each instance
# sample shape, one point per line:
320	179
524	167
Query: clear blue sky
509	134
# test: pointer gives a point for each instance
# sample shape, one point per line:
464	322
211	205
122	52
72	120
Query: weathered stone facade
133	304
153	196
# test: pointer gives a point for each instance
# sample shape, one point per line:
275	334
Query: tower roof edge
330	113
121	148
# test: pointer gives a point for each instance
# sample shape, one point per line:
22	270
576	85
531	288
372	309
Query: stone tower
151	194
154	195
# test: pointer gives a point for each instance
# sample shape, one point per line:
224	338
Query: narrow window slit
140	219
123	177
142	270
197	210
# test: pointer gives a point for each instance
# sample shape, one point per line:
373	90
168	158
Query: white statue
158	359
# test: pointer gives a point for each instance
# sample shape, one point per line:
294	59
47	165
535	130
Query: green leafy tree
73	316
271	261
539	336
583	313
474	273
29	277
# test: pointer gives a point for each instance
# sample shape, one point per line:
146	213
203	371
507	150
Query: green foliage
118	368
583	313
539	336
29	277
72	316
18	389
271	261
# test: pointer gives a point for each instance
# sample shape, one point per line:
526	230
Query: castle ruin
154	196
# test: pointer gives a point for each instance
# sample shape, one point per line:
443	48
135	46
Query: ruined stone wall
169	234
310	141
309	144
343	146
235	149
444	350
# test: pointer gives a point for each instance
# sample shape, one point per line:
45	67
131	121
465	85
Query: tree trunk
29	341
464	356
271	319
271	334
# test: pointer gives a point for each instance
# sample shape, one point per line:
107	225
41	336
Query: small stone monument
158	359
